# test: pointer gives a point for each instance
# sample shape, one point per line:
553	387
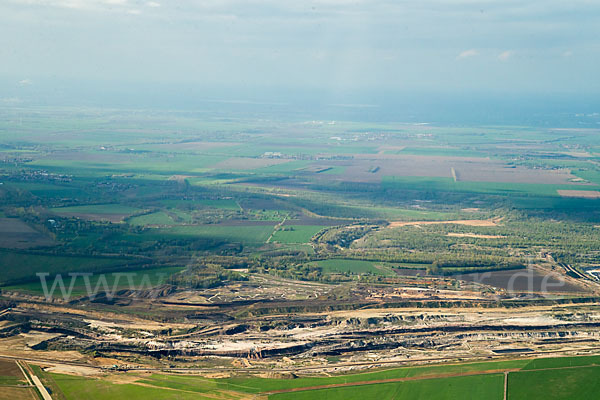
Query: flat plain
289	258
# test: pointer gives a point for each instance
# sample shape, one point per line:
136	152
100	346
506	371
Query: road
28	373
41	388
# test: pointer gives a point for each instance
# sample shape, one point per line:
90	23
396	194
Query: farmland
24	266
110	282
354	267
482	380
296	233
13	384
217	257
487	387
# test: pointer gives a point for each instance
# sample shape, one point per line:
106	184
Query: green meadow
295	233
22	266
141	279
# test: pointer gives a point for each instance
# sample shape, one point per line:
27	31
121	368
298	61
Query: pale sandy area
474	235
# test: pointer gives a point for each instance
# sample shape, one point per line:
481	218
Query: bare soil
585	194
474	235
9	368
243	163
473	169
15	234
196	146
15	393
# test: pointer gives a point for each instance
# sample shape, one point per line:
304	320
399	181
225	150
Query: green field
130	163
77	388
542	363
440	151
250	234
140	279
188	196
579	383
488	387
485	386
49	190
295	233
257	385
495	188
157	218
356	267
21	266
225	204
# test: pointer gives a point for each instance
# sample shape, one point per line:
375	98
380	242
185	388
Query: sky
422	46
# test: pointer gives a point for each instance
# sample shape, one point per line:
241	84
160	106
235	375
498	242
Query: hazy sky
446	45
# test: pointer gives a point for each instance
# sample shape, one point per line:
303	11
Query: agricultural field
478	387
100	283
22	266
569	377
10	374
295	233
16	234
13	384
157	218
98	212
80	388
233	258
237	233
482	380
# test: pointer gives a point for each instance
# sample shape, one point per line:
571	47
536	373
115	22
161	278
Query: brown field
15	234
15	393
427	159
243	163
471	169
500	173
194	146
467	222
10	368
585	194
383	149
317	169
